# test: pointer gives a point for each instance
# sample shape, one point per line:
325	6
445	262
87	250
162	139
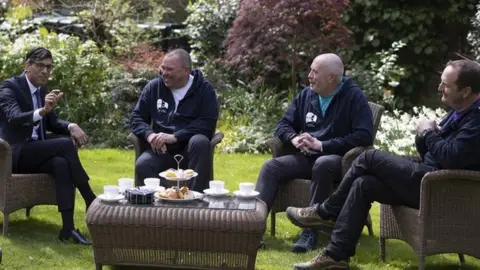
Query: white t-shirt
179	93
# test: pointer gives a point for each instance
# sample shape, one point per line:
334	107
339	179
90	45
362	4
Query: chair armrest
450	194
5	163
351	155
217	138
279	148
138	144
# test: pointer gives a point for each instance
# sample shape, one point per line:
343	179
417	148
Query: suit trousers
197	155
59	158
324	171
374	176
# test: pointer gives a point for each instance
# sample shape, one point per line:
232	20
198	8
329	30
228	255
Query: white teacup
217	186
111	191
125	183
246	188
152	183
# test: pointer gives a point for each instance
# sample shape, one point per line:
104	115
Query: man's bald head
332	63
326	73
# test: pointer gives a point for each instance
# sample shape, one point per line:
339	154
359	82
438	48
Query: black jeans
58	157
324	170
197	155
374	176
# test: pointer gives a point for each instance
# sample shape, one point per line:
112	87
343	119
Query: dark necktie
40	130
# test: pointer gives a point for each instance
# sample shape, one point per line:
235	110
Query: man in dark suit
26	113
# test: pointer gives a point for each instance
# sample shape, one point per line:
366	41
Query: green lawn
32	244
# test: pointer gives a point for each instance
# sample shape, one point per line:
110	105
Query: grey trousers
324	170
197	155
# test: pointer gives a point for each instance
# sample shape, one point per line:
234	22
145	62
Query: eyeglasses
41	66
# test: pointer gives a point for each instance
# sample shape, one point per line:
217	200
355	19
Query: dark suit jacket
16	115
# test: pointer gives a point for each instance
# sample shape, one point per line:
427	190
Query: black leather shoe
73	235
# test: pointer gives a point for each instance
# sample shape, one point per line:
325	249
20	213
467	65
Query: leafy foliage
474	35
207	25
379	74
433	30
273	42
114	23
249	119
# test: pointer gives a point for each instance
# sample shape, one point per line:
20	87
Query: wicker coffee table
209	233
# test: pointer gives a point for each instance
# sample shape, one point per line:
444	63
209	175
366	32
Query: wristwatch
424	132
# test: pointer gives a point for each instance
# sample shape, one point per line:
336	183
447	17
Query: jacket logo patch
162	106
311	119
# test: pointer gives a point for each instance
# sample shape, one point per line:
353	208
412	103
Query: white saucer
246	196
114	199
209	192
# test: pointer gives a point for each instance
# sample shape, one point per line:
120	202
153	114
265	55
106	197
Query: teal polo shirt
325	100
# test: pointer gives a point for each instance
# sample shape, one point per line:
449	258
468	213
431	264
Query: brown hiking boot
307	217
321	262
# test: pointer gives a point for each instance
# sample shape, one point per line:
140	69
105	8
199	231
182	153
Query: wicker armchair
447	221
19	191
141	145
296	192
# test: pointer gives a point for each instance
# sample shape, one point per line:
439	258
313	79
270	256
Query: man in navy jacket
379	176
323	122
176	114
26	113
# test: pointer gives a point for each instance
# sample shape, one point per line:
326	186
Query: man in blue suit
26	113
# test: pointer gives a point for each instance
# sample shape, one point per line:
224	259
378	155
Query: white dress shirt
36	113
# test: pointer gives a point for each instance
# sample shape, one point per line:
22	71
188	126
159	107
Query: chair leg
5	224
421	262
272	223
382	248
461	258
369	225
98	266
27	211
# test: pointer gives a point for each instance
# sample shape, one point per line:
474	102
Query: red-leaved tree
274	41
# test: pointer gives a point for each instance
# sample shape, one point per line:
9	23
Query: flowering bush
396	133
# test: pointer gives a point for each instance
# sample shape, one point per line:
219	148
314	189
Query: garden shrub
433	31
207	25
273	42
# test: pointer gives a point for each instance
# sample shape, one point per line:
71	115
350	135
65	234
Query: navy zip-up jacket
456	145
347	122
197	112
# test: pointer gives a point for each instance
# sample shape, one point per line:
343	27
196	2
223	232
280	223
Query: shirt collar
32	87
457	115
334	92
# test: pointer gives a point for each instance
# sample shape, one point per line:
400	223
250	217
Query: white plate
163	174
209	192
241	195
196	196
114	199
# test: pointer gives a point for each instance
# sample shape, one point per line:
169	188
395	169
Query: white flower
393	83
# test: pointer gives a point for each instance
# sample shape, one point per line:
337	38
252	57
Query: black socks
67	219
87	193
